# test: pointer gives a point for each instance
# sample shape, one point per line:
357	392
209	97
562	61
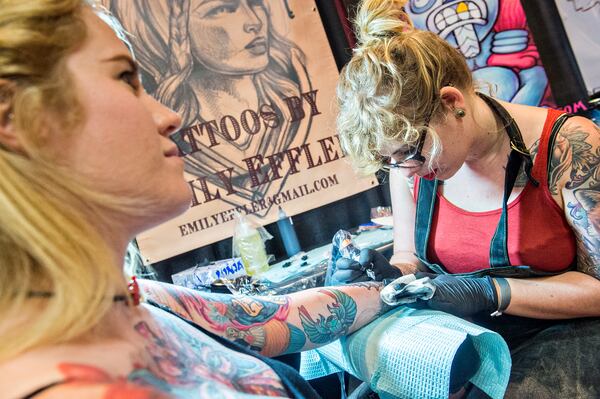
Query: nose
252	23
167	120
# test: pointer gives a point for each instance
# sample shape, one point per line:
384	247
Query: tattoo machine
344	247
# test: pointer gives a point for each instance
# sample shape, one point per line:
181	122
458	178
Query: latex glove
371	265
462	296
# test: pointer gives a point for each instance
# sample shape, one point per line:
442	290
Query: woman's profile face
122	146
230	36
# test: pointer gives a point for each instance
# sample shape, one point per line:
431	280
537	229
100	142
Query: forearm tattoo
576	160
259	323
326	328
277	324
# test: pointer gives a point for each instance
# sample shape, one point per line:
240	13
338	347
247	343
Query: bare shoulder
580	122
78	390
99	390
42	379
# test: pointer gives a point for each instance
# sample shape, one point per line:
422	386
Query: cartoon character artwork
495	40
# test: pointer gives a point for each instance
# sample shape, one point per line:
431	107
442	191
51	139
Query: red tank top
538	233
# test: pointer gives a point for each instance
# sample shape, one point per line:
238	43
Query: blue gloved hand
370	266
462	296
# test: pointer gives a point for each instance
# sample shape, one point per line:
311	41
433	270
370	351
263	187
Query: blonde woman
86	164
501	201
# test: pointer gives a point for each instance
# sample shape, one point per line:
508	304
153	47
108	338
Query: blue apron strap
426	198
499	245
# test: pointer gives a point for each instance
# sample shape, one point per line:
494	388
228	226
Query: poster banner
580	19
494	38
254	81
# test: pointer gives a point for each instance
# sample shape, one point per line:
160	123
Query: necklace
133	290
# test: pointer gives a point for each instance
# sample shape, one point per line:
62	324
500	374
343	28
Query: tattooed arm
574	181
578	179
277	324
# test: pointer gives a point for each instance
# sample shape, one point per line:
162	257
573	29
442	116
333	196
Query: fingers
348	264
366	256
349	276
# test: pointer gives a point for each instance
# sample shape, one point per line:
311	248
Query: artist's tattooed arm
575	176
275	324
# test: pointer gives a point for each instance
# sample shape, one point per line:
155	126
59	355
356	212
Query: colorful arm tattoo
342	312
256	322
575	172
266	324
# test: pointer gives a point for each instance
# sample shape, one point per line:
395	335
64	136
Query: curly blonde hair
392	83
49	235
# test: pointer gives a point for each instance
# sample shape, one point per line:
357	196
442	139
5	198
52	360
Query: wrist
405	268
502	294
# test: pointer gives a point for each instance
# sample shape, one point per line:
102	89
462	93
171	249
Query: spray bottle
288	234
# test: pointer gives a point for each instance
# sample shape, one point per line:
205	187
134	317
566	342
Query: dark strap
514	133
33	394
499	260
296	386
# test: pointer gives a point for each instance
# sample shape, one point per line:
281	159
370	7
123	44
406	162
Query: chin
182	203
175	204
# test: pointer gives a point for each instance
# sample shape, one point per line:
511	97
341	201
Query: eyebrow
124	58
203	2
405	149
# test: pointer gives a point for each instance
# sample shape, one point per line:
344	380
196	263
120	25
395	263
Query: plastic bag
249	244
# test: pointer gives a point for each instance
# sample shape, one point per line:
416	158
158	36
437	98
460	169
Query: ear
452	98
8	136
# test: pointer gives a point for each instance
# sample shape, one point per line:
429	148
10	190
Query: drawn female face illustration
230	36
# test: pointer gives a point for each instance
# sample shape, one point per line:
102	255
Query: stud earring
459	113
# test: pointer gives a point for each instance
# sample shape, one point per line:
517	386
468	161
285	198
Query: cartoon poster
580	19
255	83
494	38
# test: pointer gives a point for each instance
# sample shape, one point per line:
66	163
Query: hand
462	296
371	266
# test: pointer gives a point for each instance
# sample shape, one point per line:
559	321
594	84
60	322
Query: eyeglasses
411	157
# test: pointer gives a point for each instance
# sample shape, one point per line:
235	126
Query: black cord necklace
133	289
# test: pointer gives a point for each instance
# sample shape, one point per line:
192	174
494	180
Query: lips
259	41
257	46
172	152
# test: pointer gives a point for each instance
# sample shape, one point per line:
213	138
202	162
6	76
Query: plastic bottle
288	234
251	247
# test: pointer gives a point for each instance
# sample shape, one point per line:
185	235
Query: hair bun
380	19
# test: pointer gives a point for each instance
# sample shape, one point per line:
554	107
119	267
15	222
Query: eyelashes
131	78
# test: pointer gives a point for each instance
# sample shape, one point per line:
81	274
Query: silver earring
459	113
11	116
